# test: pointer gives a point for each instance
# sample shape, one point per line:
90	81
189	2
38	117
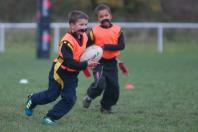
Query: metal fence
57	26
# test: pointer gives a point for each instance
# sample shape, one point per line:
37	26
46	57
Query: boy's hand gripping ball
93	52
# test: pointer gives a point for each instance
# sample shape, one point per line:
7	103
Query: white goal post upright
2	38
160	39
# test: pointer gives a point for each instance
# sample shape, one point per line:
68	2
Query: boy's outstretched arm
68	58
119	46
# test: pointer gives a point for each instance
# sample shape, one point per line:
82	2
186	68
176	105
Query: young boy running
110	37
65	69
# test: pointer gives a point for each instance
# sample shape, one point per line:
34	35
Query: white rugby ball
92	52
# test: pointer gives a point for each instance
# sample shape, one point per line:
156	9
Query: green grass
164	98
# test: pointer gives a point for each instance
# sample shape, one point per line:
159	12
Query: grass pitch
165	97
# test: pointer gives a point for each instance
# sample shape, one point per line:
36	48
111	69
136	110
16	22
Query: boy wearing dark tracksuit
111	39
65	69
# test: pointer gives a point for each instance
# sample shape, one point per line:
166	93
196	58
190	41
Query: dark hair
102	7
75	15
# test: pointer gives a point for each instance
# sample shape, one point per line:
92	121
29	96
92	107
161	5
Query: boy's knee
101	84
69	99
52	97
72	100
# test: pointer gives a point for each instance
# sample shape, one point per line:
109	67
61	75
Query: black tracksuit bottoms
68	95
106	82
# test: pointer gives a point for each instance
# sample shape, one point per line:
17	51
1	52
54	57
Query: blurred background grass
142	40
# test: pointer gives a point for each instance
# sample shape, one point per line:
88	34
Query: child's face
103	14
79	25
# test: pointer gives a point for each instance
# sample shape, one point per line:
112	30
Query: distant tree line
123	10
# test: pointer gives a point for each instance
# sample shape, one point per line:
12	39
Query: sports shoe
29	106
47	121
106	111
86	101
